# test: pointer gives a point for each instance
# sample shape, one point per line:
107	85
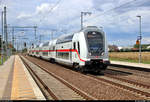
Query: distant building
134	49
113	48
148	47
119	48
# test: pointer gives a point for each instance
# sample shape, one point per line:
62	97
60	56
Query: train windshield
95	43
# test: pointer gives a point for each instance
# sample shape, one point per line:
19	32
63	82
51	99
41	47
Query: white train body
86	49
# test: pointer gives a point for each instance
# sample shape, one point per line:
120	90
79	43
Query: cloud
146	40
66	15
24	16
45	8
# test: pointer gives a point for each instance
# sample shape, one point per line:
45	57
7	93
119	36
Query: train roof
92	28
41	44
46	43
64	38
68	37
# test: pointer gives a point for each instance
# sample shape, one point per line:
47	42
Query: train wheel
104	67
76	66
82	70
98	72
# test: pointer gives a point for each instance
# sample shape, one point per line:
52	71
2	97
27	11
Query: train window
37	52
95	41
74	45
45	53
78	47
53	47
46	44
67	38
63	55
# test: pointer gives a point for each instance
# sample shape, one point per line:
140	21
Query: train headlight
89	54
102	53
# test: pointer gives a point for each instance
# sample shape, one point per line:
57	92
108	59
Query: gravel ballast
97	89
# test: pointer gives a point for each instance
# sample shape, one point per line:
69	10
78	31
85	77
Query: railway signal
137	42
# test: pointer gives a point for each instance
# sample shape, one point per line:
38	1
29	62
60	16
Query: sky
116	17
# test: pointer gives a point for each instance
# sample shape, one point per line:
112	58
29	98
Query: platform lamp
140	38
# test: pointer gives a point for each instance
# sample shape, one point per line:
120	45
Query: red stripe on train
64	50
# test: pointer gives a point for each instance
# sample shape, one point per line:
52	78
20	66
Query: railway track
44	88
127	79
49	94
132	87
141	73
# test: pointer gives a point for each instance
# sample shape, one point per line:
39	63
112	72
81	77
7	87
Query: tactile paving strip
21	88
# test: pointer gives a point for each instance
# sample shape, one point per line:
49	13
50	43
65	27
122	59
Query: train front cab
91	49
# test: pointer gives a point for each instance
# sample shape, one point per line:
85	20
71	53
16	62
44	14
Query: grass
130	57
4	59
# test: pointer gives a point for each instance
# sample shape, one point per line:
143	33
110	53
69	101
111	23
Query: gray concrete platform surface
14	81
6	71
139	65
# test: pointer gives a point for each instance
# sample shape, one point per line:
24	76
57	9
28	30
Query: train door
74	56
70	54
76	51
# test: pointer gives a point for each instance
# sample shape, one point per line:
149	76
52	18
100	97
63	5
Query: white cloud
66	15
24	16
146	40
107	6
45	8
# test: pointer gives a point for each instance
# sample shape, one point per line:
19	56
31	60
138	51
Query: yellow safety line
20	83
14	92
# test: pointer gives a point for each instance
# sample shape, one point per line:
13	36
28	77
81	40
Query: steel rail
120	85
79	92
45	86
128	81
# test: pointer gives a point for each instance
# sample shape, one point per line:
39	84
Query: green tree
136	46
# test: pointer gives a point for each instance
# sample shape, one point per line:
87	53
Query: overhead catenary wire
100	14
49	11
120	6
57	3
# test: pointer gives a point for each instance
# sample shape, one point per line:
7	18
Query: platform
139	65
16	82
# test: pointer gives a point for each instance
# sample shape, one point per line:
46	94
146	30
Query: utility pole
13	29
52	35
140	38
84	13
35	32
52	32
81	20
13	39
2	40
5	32
40	38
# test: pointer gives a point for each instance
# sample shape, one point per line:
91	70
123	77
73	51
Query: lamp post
84	13
140	38
2	15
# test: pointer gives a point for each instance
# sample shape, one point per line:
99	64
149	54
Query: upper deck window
65	39
46	44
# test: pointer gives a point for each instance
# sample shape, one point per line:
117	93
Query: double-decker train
86	50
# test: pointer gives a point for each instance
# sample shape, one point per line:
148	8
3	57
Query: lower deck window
45	53
37	52
63	55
